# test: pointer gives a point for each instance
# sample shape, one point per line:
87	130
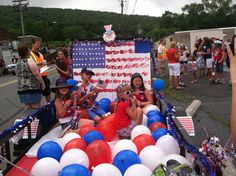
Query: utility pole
20	5
122	16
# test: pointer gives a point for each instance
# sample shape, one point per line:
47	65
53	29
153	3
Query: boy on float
87	94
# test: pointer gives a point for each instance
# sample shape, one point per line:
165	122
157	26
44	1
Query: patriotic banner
112	63
187	124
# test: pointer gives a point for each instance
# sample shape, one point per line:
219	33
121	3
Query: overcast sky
143	7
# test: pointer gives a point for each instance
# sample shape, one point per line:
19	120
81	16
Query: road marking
15	80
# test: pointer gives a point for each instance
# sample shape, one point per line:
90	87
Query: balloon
175	157
86	128
156	125
138	170
145	119
68	137
104	104
107	100
156	118
124	144
142	141
158	84
138	130
153	112
159	133
92	136
74	156
107	129
110	119
124	159
98	152
168	140
46	166
151	156
50	149
148	108
75	143
106	170
74	170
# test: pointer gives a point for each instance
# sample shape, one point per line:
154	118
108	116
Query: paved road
10	105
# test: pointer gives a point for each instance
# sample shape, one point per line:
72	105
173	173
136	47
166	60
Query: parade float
159	146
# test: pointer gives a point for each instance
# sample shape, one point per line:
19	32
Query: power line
134	6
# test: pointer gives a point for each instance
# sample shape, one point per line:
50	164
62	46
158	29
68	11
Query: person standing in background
39	60
64	64
2	66
162	58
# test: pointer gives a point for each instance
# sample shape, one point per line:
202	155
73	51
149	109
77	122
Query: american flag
113	63
187	124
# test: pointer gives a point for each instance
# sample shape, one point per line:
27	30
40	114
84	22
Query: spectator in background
231	50
193	69
218	58
63	64
2	66
29	80
162	57
39	60
207	54
174	66
14	60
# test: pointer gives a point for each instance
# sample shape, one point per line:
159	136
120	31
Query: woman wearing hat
142	94
65	104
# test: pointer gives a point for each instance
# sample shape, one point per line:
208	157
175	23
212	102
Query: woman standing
174	66
29	79
63	64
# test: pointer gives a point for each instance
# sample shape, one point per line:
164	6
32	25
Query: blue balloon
104	105
92	136
158	133
106	100
124	159
50	149
156	118
158	84
153	112
74	170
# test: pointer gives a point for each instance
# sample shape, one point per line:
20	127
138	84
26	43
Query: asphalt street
10	105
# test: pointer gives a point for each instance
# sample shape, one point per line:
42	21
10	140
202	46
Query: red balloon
86	128
142	141
98	152
156	125
107	129
110	118
75	143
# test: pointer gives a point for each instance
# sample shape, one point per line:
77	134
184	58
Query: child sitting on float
65	104
127	115
87	94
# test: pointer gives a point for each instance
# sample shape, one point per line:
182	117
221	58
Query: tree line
53	24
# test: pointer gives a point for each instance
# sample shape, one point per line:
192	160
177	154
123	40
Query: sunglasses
129	92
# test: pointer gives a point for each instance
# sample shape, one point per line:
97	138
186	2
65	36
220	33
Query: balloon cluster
89	153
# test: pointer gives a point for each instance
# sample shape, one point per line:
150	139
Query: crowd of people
206	61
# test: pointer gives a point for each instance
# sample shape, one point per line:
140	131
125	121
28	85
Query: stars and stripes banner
113	63
187	124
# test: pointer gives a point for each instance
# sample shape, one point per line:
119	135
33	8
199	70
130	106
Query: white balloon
149	108
68	137
145	119
46	166
124	144
151	156
176	157
106	170
74	156
168	144
138	130
138	170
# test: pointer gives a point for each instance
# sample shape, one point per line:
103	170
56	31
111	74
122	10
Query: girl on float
127	115
65	104
142	94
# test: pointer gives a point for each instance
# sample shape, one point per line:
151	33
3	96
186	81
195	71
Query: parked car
11	68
